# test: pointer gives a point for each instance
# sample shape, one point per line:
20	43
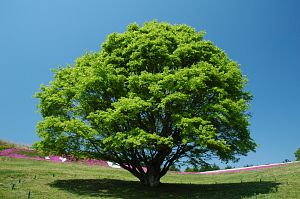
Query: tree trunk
152	178
151	181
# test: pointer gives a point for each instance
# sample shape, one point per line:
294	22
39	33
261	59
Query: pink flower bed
95	162
15	153
236	170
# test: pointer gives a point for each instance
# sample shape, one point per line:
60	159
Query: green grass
57	180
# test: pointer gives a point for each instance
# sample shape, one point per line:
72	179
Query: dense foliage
153	95
203	168
174	168
297	155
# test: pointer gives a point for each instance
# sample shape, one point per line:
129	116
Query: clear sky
262	36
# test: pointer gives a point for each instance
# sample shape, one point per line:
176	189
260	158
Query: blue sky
262	36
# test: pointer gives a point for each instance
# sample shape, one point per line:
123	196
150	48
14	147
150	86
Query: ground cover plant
44	179
153	95
27	153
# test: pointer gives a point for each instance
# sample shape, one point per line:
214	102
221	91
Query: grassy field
70	180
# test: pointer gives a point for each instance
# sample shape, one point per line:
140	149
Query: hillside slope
45	179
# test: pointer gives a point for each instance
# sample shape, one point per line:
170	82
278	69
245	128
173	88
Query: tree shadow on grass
133	189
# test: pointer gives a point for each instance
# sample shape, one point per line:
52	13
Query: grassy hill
70	180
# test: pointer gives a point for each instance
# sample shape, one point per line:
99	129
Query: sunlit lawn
45	179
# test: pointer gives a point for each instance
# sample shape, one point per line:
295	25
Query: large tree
151	96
